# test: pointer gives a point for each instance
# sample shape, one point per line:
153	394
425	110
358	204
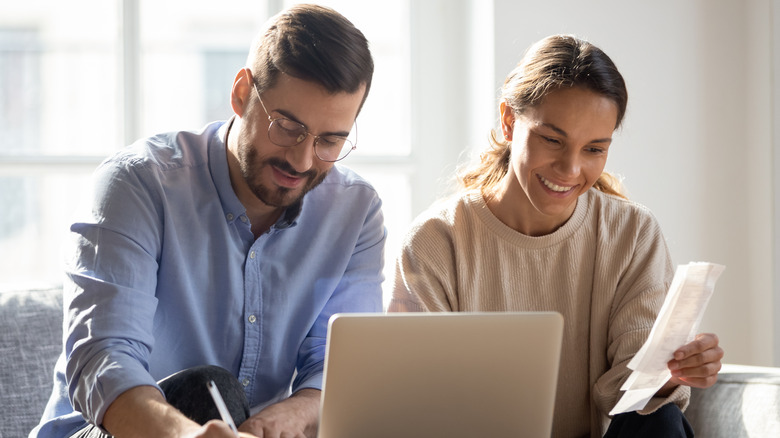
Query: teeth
552	186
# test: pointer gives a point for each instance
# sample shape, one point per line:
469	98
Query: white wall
775	93
452	90
696	145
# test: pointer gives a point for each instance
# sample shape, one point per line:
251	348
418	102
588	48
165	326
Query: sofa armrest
745	402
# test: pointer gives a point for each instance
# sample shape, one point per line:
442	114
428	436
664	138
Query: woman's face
559	149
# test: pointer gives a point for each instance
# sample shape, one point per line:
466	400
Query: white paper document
676	325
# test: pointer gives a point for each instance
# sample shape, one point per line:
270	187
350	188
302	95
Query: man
230	247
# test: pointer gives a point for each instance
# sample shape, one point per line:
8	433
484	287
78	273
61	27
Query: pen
223	410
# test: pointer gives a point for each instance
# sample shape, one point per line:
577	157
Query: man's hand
216	429
143	412
295	417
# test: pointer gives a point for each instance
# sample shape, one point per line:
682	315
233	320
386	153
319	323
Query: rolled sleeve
110	295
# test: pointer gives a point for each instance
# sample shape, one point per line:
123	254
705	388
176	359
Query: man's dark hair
313	43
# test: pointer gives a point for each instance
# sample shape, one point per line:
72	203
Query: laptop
440	375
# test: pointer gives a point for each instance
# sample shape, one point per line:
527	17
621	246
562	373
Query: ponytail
491	167
610	185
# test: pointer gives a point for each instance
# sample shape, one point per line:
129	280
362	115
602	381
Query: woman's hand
697	363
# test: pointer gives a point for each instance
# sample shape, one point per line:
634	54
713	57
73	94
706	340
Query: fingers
698	372
699	382
703	359
703	342
218	429
697	363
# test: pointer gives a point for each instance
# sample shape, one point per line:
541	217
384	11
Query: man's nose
301	156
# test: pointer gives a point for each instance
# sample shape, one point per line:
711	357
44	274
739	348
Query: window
57	108
76	86
384	149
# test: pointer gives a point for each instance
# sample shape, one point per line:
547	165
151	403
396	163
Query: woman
539	226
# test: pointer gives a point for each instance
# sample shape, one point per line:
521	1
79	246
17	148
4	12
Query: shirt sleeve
109	292
358	290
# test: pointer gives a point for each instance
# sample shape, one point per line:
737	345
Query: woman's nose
568	164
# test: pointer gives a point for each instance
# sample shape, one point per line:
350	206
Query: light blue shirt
167	275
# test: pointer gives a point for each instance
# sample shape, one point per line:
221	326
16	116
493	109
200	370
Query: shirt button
245	382
252	255
252	319
229	216
243	219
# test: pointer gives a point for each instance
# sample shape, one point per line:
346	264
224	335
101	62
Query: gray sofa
30	341
744	403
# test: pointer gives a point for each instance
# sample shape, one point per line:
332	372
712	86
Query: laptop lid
440	375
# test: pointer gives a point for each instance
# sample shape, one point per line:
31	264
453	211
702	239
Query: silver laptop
440	375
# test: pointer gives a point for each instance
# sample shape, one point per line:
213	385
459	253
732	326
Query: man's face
280	176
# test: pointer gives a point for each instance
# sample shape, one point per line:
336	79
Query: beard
252	168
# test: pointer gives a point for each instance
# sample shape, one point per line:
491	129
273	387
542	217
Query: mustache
285	167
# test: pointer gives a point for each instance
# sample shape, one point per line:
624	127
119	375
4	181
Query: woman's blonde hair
559	61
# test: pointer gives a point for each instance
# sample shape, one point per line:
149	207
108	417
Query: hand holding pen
221	407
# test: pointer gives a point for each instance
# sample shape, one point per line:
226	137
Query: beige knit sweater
606	271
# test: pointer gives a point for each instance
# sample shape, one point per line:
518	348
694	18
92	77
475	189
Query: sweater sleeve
640	293
425	270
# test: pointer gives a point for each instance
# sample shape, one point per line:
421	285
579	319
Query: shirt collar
290	216
220	174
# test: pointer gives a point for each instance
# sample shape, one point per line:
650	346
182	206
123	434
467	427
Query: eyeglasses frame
271	121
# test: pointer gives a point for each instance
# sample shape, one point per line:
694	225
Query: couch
744	403
30	341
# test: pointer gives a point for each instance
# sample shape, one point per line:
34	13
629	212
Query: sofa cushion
30	341
745	402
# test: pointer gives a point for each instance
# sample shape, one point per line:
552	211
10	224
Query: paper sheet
676	325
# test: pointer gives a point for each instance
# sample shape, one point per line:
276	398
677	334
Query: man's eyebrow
288	115
563	134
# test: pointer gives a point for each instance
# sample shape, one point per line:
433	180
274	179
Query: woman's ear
507	120
241	92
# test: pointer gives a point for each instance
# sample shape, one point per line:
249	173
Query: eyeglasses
287	133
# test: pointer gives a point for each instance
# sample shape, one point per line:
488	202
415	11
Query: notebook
440	375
